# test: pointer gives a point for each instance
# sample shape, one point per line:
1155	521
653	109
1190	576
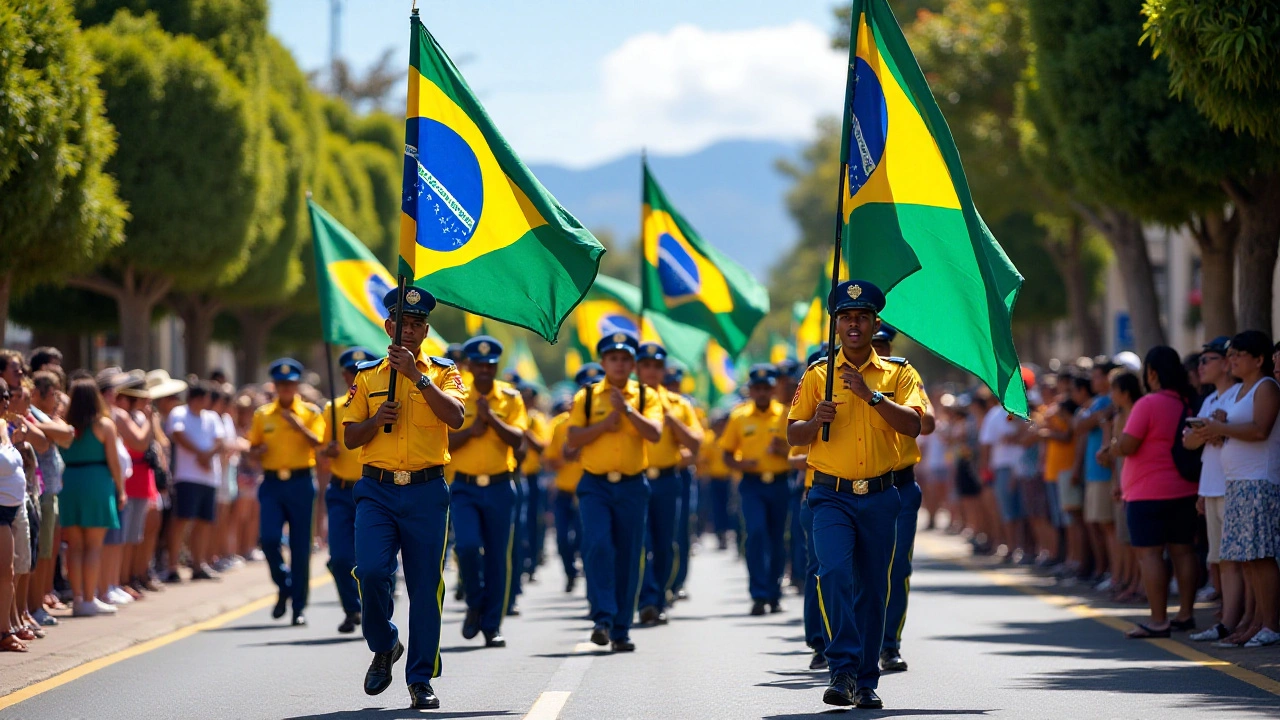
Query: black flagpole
835	280
391	383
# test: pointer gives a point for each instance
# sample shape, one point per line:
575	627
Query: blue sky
579	82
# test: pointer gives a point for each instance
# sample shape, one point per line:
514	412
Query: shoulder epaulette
510	391
820	361
897	360
443	362
367	364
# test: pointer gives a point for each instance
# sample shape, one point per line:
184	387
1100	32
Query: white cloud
679	91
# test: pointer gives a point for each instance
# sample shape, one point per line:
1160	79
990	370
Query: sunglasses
1206	358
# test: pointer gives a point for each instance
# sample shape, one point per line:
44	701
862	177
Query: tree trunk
6	285
256	325
1079	304
1124	232
198	312
68	342
136	296
1257	201
1216	234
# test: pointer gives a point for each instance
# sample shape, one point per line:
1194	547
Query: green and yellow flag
476	227
614	306
811	317
691	282
780	348
352	283
910	223
520	360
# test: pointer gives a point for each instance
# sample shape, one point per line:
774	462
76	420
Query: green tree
188	165
59	211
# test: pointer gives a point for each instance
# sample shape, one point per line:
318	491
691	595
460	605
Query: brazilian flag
476	228
811	317
352	283
910	223
687	280
520	361
614	306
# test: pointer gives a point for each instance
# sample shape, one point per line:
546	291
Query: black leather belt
286	473
483	480
404	477
616	477
856	487
342	483
904	477
654	473
768	478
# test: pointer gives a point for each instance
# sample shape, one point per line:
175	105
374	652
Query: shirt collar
875	360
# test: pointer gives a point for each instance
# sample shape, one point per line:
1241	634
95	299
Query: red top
141	483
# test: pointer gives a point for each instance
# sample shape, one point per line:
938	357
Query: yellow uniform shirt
711	458
862	443
750	432
570	473
287	449
667	451
488	454
418	439
909	449
346	465
621	450
540	428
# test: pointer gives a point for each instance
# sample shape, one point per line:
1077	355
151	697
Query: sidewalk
1265	662
75	641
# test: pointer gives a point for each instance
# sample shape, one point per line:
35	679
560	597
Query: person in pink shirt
1160	503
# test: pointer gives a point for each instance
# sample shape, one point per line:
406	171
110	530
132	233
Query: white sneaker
1206	593
104	608
116	596
1265	637
81	608
1217	632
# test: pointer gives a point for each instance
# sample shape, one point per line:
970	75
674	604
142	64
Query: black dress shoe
570	584
600	636
422	697
513	611
891	661
349	623
840	692
282	604
868	699
775	607
471	624
818	661
459	593
378	678
494	640
299	620
662	618
757	608
649	615
624	645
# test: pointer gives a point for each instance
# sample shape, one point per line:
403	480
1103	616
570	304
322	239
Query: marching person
681	433
854	503
535	444
689	501
484	490
789	371
284	436
611	421
755	444
339	501
402	501
814	636
567	464
904	478
719	485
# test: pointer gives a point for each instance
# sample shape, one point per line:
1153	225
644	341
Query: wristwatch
877	397
423	382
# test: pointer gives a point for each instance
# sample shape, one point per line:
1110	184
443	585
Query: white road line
548	706
567	679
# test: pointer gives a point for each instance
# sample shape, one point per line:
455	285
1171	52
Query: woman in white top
1251	463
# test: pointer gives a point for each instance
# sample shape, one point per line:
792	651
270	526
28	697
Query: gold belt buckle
401	477
482	481
861	487
766	478
652	473
614	477
283	474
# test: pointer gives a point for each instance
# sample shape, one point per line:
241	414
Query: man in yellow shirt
484	491
284	436
611	421
789	372
681	434
402	502
567	465
343	466
755	444
855	505
719	486
673	381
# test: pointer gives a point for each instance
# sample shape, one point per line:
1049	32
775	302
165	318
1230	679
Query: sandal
25	634
9	643
1182	625
1145	632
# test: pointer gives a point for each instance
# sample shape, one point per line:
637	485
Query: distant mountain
729	191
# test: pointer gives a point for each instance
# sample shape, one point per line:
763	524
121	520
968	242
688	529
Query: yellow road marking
93	666
548	705
1074	606
586	647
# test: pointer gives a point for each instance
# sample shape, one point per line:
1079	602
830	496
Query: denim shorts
1008	495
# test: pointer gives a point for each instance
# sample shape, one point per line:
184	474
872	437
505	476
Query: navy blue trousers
568	530
535	523
900	577
689	507
288	502
797	549
662	551
518	550
613	522
764	512
341	509
483	531
718	490
813	634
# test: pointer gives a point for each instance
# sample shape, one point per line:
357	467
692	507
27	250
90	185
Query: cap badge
358	355
484	348
855	291
413	297
619	338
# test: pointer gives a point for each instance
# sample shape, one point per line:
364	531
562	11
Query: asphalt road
976	649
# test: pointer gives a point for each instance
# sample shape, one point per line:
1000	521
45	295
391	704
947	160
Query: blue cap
674	375
482	349
763	374
651	351
816	355
617	341
852	294
285	370
454	352
886	333
417	301
588	374
354	356
790	368
1218	345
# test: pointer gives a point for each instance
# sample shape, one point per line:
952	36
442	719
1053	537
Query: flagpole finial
414	10
308	194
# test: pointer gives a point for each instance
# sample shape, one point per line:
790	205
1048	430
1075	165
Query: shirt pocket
420	413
